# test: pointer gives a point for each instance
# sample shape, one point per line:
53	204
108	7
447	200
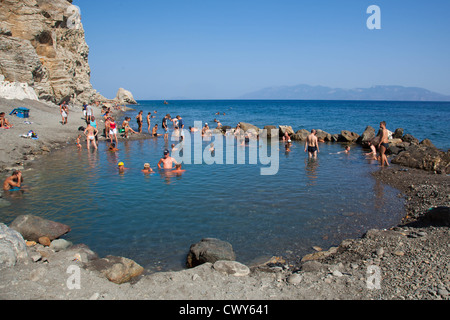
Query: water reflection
311	170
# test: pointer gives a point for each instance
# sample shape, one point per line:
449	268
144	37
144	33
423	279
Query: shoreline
338	273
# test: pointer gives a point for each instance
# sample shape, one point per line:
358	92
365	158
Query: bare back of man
312	145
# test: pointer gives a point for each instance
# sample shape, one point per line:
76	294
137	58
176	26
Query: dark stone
209	250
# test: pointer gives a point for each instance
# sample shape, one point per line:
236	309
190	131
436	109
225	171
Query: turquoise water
154	219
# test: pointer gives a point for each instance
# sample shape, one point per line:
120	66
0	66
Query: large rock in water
32	228
209	250
425	158
367	136
247	126
12	247
125	97
348	136
42	44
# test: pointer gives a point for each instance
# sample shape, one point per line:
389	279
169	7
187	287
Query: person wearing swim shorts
165	126
14	182
312	144
384	144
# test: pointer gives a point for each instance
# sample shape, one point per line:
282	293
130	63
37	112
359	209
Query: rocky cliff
42	44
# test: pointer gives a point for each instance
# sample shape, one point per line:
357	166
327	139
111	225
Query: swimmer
126	127
178	169
78	142
121	167
287	147
167	161
14	182
112	147
212	149
147	168
139	121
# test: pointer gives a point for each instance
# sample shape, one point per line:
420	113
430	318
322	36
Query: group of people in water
167	164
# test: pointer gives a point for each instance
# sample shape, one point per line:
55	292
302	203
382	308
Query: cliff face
42	44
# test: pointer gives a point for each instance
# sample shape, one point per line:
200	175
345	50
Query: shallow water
154	219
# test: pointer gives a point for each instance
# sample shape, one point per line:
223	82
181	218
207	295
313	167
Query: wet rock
209	250
32	228
366	136
348	136
301	135
247	126
425	158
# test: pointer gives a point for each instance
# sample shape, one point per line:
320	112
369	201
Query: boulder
439	216
410	138
301	135
323	136
125	97
118	270
209	250
367	136
269	131
425	158
348	136
247	126
427	143
13	248
284	129
32	228
398	134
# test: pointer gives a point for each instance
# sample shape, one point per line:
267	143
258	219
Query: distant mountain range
307	92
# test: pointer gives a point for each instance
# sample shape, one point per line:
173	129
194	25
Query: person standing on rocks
312	144
383	145
139	121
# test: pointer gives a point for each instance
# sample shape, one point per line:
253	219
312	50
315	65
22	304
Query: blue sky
222	49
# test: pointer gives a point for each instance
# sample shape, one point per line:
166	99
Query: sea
155	218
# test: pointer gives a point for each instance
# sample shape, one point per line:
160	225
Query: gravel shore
410	261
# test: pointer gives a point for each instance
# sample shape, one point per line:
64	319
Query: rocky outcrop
42	45
425	158
124	97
